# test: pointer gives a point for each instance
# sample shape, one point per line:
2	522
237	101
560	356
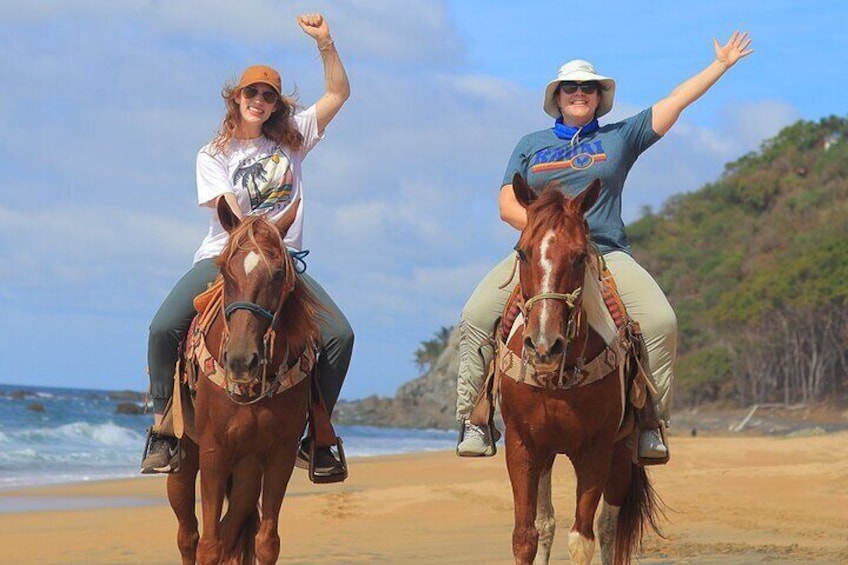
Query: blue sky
103	106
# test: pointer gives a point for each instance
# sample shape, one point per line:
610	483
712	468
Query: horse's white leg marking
250	262
606	531
580	548
547	273
545	519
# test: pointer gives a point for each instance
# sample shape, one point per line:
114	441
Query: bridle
267	348
293	264
575	323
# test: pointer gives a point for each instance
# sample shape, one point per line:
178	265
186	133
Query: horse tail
641	510
246	545
247	540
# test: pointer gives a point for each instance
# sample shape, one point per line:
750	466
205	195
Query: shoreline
740	500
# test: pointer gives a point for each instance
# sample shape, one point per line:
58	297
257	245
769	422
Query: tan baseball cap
263	74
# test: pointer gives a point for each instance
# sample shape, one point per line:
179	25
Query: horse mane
300	308
259	232
300	312
551	210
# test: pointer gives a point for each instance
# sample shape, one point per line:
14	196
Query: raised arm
337	87
666	111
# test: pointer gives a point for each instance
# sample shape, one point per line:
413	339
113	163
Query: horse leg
238	526
274	490
213	486
545	519
524	471
615	493
592	470
606	531
181	495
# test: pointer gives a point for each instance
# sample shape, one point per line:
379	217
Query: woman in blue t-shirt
570	155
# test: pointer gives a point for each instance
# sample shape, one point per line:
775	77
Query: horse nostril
558	347
243	363
528	344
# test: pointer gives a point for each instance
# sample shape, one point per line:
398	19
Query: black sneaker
327	463
161	454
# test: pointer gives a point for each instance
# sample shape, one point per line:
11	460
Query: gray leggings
173	318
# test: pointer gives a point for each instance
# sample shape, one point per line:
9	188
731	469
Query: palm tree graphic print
267	180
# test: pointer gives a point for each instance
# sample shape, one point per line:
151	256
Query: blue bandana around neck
569	133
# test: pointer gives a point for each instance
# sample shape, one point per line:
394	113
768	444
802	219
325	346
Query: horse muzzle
243	369
543	352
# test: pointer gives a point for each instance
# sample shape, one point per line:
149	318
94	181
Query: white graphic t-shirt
265	177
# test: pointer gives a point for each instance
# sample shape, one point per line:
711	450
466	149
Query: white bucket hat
582	71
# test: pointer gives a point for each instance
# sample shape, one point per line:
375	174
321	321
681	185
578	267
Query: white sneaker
476	442
651	444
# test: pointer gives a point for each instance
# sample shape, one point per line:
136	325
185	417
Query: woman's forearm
512	212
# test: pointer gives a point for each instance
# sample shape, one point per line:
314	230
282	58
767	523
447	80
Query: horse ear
523	193
229	221
586	199
287	219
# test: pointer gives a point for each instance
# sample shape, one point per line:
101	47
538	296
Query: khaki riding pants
645	302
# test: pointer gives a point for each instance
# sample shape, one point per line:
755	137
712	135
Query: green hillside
756	266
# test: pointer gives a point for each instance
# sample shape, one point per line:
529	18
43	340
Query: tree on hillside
755	265
428	352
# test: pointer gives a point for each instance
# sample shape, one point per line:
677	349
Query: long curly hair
279	128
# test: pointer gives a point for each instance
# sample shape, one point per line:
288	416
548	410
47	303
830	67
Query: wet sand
731	500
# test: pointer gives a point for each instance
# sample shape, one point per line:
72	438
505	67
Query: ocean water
79	437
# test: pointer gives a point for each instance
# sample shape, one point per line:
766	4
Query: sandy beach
731	500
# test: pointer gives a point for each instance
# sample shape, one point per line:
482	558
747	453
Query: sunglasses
269	96
572	87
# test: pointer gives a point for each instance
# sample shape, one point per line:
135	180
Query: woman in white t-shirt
254	163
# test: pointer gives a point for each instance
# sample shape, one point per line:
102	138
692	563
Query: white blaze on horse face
547	276
250	262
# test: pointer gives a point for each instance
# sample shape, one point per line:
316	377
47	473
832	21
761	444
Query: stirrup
493	435
648	461
175	454
331	478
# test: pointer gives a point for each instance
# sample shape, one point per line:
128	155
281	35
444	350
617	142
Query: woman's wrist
324	44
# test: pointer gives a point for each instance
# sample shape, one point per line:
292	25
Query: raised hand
315	26
736	48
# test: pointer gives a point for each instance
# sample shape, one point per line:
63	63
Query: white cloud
99	199
74	247
487	88
414	31
750	123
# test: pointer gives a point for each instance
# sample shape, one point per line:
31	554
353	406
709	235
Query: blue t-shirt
607	153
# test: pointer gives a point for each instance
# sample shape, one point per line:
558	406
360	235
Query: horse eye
521	255
279	275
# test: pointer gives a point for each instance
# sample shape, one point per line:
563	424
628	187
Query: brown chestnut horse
245	449
579	420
